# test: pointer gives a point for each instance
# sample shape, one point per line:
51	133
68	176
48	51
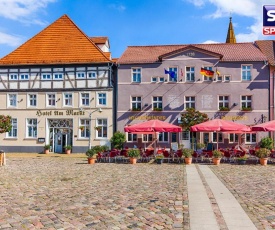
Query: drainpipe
271	98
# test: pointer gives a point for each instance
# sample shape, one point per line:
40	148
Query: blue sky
135	22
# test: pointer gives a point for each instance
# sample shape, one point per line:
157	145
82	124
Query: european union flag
171	73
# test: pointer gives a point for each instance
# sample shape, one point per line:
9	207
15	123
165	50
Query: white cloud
23	10
118	7
247	8
210	42
10	40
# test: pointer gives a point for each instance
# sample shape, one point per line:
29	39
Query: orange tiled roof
99	40
229	52
268	48
62	42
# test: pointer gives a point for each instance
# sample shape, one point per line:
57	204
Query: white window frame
154	79
136	74
246	102
190	102
223	101
205	78
234	139
46	76
219	78
24	76
136	102
219	135
250	136
58	76
132	137
245	72
163	137
102	133
147	138
157	102
81	75
12	100
101	99
227	78
67	99
13	76
51	99
32	100
31	123
14	129
161	79
85	132
175	69
190	73
92	74
84	99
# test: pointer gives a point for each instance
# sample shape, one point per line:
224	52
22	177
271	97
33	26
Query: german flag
207	72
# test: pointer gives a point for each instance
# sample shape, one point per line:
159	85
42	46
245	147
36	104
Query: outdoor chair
207	156
196	156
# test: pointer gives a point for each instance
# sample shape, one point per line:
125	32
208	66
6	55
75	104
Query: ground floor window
250	138
131	137
147	137
217	136
13	131
32	128
163	137
101	129
84	128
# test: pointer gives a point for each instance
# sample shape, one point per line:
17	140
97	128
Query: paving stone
66	193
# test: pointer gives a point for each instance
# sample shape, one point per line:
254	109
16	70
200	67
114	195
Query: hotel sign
69	112
162	118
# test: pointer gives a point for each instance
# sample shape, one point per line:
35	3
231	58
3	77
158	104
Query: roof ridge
195	44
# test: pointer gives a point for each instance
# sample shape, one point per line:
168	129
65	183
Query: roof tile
229	52
61	42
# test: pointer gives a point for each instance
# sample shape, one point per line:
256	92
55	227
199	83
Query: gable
62	42
189	52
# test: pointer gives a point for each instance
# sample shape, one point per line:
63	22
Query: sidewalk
211	204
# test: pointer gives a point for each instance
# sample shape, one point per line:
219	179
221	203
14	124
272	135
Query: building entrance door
61	133
58	143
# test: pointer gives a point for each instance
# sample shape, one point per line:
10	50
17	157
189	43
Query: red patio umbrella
265	127
219	125
152	126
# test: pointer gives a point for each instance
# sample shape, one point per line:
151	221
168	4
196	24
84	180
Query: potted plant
47	149
97	128
263	154
159	158
187	153
90	153
68	149
81	128
200	146
157	109
133	154
118	139
217	155
267	143
242	160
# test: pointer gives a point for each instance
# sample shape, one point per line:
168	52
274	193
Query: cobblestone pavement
254	188
66	193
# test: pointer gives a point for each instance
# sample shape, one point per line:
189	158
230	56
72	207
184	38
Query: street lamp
90	122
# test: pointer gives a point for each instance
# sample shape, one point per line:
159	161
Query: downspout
112	83
271	97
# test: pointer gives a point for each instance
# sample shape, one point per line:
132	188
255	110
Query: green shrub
267	143
134	153
187	152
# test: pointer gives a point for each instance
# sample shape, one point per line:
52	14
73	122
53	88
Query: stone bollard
2	158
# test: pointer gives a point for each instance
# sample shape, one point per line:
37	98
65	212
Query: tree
5	123
118	140
192	117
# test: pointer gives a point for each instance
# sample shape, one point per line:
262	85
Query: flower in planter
136	109
157	109
97	128
81	128
224	108
246	108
